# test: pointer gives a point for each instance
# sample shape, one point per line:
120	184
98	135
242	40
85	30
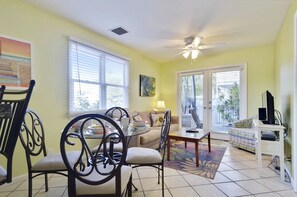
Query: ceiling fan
194	45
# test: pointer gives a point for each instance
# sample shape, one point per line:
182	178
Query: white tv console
270	147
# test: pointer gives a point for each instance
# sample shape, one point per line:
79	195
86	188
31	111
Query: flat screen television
268	103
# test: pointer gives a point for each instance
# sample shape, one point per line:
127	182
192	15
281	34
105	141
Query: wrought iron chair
96	173
15	102
33	140
118	113
139	156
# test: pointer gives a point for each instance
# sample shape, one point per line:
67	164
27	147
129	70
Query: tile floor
236	176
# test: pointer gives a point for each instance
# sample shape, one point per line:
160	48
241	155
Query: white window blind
97	80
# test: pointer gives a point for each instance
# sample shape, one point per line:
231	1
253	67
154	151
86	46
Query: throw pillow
137	118
246	123
157	119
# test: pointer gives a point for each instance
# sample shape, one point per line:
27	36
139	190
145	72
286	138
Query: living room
270	67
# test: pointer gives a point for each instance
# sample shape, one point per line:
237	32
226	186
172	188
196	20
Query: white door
212	99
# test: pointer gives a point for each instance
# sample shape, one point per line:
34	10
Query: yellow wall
285	82
48	35
260	71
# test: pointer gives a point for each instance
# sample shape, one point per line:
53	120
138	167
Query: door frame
294	126
243	85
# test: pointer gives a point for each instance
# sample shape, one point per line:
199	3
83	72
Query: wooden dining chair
96	173
32	137
140	156
15	103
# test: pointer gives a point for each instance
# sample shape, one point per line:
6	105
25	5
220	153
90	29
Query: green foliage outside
228	106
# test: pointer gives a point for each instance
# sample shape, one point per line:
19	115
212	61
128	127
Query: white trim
199	70
294	136
97	47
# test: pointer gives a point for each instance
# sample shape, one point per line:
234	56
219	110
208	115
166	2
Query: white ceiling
157	27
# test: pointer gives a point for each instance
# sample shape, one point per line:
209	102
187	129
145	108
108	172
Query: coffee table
194	137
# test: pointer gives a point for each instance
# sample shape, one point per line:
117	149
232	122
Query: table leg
209	149
185	144
197	153
168	149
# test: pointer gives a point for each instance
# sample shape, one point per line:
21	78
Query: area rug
185	160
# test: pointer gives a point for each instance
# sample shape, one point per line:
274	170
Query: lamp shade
161	104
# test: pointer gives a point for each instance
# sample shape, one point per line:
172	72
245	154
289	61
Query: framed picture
15	63
147	86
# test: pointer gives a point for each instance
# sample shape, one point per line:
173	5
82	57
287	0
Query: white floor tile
4	194
235	175
275	184
157	193
286	193
224	167
237	165
208	191
175	181
196	180
268	195
54	191
150	184
137	194
147	172
219	178
183	191
137	184
170	172
232	189
253	187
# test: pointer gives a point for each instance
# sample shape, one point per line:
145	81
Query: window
97	80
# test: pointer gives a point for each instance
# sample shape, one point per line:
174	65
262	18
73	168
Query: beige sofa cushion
153	135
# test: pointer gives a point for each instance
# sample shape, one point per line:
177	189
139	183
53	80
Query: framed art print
147	86
15	63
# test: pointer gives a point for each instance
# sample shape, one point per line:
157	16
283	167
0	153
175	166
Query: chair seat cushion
140	155
55	162
2	174
106	188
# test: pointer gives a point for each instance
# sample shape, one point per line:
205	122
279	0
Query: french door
212	99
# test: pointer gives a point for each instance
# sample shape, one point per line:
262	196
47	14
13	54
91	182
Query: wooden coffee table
194	137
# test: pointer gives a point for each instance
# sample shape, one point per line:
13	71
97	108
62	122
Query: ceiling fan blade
209	46
197	40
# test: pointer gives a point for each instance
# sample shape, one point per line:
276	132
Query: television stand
271	147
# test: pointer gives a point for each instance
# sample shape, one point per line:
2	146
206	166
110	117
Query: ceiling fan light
194	54
186	54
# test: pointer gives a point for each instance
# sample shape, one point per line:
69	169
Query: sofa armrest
174	120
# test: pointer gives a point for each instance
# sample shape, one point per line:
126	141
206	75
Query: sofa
152	137
243	135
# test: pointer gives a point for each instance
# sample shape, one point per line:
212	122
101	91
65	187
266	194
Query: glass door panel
225	103
192	100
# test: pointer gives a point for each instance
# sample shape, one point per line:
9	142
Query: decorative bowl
138	123
96	129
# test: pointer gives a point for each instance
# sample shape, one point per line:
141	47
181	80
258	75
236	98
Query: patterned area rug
184	159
